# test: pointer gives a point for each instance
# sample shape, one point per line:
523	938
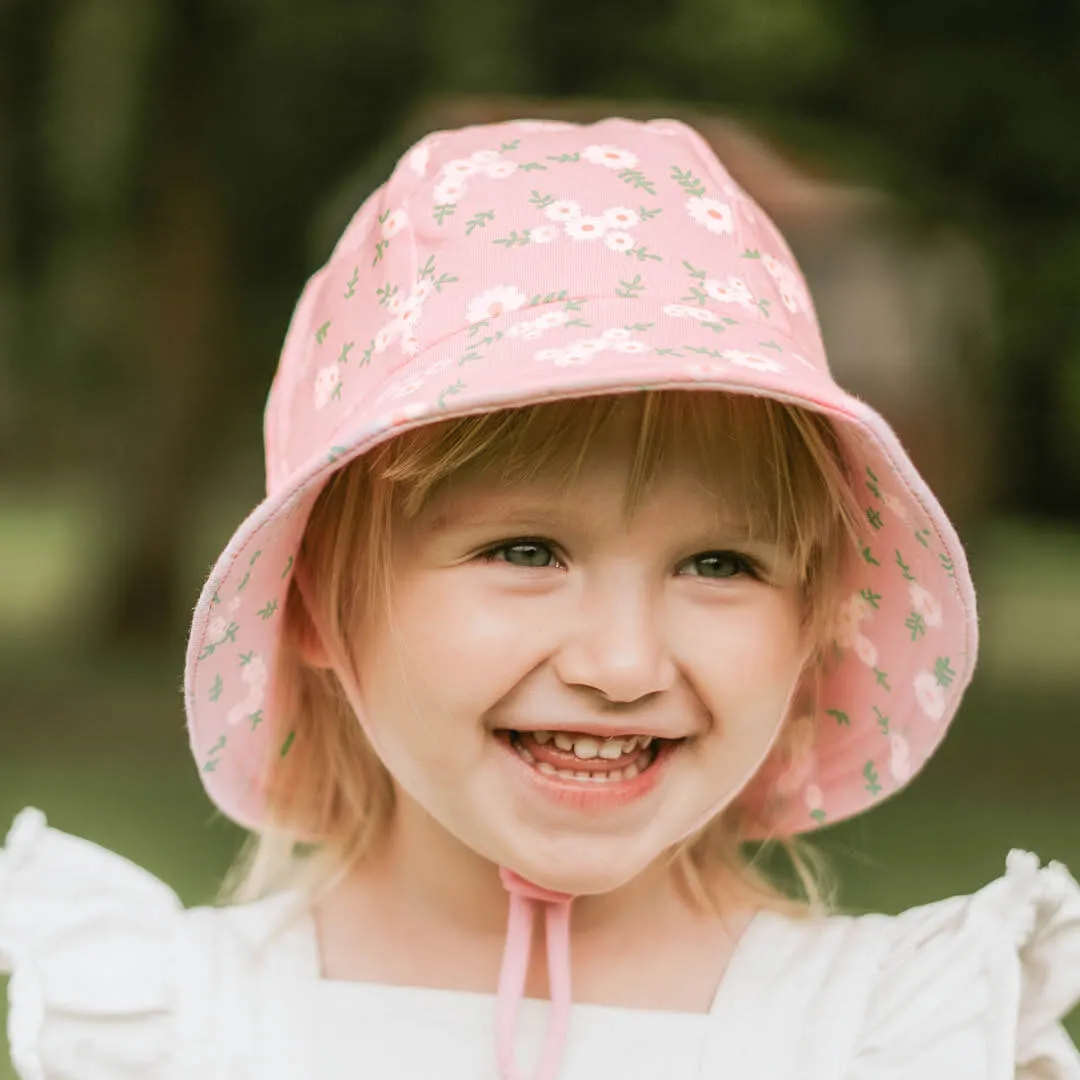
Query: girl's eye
530	553
721	564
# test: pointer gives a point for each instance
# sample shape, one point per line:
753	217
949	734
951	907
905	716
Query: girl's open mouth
587	770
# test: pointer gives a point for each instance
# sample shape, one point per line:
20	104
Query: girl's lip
590	795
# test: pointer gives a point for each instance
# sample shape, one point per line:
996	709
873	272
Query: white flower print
700	314
409	411
899	759
788	298
408	310
610	156
410	345
620	217
732	291
254	676
865	650
500	170
548	354
494	302
714	215
813	798
930	695
386	334
403	388
588	345
616	333
586	228
550	319
574	355
925	604
773	265
542	234
705	371
395	221
422	289
217	628
619	241
395	304
753	361
460	168
897	506
631	347
850	616
418	159
563	210
326	382
448	191
484	157
677	311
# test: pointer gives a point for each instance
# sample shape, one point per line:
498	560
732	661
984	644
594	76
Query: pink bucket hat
520	262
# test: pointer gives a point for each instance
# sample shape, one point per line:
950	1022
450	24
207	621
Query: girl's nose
617	644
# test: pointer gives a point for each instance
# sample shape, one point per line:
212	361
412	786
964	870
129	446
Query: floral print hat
514	263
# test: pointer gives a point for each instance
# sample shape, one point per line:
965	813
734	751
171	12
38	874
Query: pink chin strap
525	898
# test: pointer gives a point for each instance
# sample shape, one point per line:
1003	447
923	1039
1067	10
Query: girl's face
568	692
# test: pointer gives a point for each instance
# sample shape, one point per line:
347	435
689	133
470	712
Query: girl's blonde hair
779	466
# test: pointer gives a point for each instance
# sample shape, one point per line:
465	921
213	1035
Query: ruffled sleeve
89	940
976	987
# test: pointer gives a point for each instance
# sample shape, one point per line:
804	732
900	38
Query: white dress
113	979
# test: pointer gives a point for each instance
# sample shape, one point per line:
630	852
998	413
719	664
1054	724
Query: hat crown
535	219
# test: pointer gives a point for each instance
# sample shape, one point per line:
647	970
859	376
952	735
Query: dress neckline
740	963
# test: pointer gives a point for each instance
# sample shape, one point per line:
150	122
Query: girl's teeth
542	737
563	741
614	748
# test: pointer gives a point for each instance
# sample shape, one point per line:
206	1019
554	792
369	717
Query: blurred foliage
165	167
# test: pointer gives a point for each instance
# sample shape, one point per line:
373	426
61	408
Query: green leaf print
770	345
541	202
366	355
874	517
882	721
872	482
639	327
246	658
215	690
286	746
868	557
380	250
947	565
320	334
288	567
704	352
645	214
916	624
871	597
479	220
871	777
751	253
386	293
532	166
818	816
443	211
839	716
697	296
510	145
343	356
763	306
630	290
335	453
943	672
882	678
921	535
638	179
515	239
668	352
256	718
644	254
450	391
694	272
547	298
268	610
350	285
904	568
443	279
229	635
687	181
564	158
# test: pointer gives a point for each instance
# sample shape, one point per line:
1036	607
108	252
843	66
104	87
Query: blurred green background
170	172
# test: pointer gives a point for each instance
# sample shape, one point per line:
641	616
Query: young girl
577	573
